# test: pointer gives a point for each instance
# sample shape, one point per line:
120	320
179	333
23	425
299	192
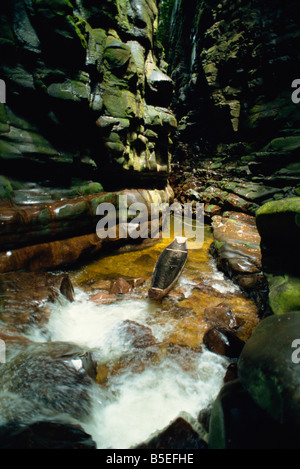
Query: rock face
233	64
226	58
48	235
86	97
86	115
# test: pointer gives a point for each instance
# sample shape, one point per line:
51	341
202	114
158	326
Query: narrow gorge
155	102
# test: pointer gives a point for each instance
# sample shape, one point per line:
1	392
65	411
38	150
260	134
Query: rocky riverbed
95	107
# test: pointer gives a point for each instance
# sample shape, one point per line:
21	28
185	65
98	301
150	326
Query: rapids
139	391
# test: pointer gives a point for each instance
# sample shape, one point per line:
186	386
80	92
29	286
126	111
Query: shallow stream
141	390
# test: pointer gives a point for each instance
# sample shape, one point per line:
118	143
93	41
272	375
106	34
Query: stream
141	389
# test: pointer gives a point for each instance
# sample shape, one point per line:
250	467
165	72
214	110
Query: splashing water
139	391
135	404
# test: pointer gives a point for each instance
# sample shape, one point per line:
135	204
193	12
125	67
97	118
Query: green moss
286	205
284	296
6	189
284	144
80	27
90	188
120	103
218	244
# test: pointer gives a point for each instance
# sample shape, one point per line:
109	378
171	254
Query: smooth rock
223	341
269	370
237	422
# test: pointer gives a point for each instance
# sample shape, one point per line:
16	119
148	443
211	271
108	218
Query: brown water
185	305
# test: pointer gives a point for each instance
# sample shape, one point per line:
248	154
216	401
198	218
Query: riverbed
140	388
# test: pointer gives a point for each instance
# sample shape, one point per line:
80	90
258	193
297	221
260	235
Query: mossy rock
116	55
267	371
70	90
6	189
284	144
284	295
278	223
237	422
120	103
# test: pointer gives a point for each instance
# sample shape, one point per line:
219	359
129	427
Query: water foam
135	404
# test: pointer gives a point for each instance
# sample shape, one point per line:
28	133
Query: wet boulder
120	287
237	422
25	297
180	434
237	250
44	435
223	341
51	379
222	315
137	335
103	297
269	367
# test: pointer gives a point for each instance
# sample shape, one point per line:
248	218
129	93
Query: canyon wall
86	113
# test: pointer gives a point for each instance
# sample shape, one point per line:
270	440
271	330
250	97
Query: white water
134	405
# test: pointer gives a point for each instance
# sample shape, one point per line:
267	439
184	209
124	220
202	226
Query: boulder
278	223
103	297
237	250
223	341
120	287
222	315
137	335
44	435
25	297
267	370
47	379
179	435
237	422
284	293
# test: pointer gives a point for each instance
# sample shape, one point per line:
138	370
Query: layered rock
86	113
48	235
85	94
233	65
